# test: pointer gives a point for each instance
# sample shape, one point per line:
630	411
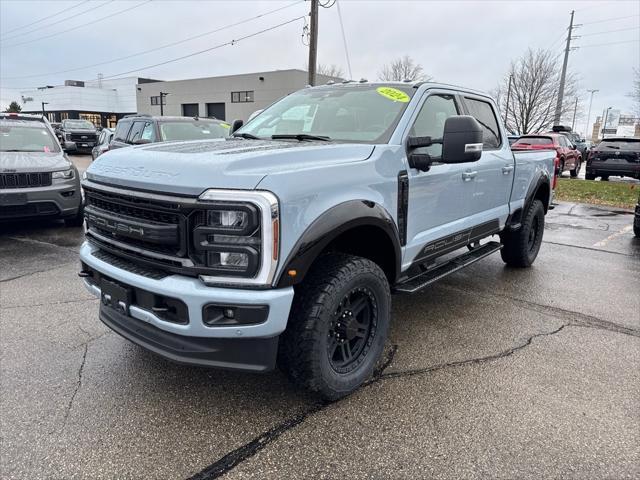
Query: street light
43	104
604	124
586	130
162	95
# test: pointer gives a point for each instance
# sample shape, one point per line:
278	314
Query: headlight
63	174
236	237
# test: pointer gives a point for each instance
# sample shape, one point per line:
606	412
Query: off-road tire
590	176
561	167
303	353
574	173
636	230
520	248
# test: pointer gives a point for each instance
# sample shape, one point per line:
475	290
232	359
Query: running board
420	281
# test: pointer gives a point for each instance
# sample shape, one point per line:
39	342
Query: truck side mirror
421	161
235	125
462	140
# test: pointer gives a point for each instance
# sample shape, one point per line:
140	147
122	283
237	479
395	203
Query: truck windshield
196	130
349	113
79	124
22	138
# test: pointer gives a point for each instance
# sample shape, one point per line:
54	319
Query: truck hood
82	131
11	162
189	168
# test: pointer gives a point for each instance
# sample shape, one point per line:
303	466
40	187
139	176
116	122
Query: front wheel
337	327
574	173
520	248
590	176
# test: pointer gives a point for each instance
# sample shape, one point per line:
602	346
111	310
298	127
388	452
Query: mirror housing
421	161
235	125
141	141
462	140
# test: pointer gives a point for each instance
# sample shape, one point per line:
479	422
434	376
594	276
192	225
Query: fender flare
513	222
329	226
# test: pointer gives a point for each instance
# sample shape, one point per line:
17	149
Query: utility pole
586	130
606	117
506	110
556	118
313	42
575	109
162	95
43	104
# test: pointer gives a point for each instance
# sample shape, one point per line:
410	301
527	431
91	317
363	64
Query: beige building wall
267	87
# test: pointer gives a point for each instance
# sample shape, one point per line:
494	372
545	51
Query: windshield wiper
300	137
248	136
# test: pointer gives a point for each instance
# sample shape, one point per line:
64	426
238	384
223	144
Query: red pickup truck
568	157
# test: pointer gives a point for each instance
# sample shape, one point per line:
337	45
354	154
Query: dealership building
227	97
102	102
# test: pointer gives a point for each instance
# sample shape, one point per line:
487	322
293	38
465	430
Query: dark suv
614	156
77	135
141	129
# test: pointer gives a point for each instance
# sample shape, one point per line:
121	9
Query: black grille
129	266
77	137
24	180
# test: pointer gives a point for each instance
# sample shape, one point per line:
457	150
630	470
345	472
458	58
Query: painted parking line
622	231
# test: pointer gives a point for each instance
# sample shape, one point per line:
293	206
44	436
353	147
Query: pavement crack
34	273
472	361
248	450
42	242
588	248
47	304
77	387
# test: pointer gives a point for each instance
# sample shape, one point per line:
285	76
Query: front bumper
61	199
195	296
78	146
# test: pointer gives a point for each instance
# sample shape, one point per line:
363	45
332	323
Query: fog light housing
215	315
233	259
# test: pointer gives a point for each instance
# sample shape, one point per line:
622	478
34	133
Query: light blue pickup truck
283	243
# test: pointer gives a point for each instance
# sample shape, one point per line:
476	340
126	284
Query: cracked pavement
493	372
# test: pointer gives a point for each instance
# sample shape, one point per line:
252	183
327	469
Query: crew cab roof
416	84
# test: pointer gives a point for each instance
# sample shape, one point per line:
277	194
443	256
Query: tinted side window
135	132
430	121
122	129
484	114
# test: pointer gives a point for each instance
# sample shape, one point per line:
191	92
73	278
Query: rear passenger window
484	114
122	129
148	132
135	132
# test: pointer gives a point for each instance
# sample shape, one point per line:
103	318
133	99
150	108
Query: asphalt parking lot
492	373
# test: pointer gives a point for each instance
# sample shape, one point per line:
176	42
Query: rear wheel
590	176
604	178
520	248
574	173
561	167
337	327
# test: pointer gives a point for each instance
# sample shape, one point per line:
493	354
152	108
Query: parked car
103	143
636	219
141	129
78	136
286	240
614	157
574	138
568	157
36	178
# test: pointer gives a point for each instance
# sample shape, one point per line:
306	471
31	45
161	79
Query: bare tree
403	68
534	91
332	70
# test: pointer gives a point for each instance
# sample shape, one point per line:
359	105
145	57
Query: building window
94	118
242	97
156	100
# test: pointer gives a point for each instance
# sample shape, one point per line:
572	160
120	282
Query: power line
610	19
46	18
610	43
173	44
77	14
231	42
609	31
344	40
81	26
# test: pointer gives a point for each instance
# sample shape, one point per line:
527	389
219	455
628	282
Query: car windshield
534	141
80	124
628	145
196	130
23	138
351	113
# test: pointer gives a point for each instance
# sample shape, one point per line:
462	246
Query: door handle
466	176
507	169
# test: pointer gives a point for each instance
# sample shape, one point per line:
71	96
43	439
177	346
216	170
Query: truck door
439	199
495	169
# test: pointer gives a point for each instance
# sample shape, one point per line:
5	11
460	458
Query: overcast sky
469	43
